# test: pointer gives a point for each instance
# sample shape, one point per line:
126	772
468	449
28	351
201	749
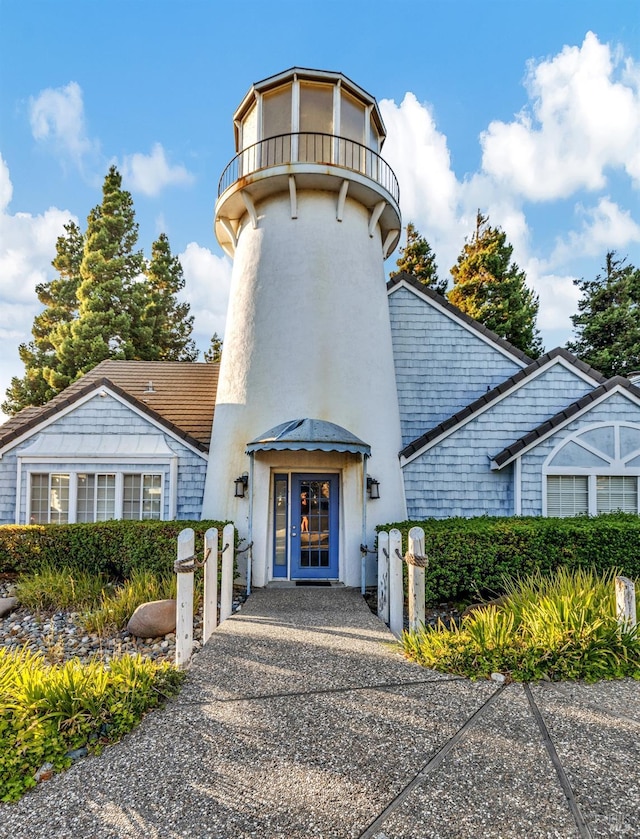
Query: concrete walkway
299	720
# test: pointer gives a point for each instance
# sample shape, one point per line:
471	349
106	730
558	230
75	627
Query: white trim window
574	495
87	497
142	497
567	495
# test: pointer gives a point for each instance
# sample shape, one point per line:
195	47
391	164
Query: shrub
557	626
113	548
47	711
469	558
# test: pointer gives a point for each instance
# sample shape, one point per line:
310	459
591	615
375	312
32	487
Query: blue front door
314	527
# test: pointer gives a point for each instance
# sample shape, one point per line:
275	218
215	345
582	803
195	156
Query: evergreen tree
491	288
107	302
417	258
104	327
214	354
59	297
164	326
608	324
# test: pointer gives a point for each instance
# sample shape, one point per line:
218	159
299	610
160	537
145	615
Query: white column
184	597
416	580
383	576
226	582
396	594
210	609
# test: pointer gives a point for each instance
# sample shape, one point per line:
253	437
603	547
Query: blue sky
527	110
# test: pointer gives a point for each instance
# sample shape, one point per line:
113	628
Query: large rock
153	619
7	605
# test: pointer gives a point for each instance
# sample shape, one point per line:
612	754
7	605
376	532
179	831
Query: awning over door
308	435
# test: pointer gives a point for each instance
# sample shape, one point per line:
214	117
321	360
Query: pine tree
59	296
107	302
163	325
491	288
417	258
608	324
214	354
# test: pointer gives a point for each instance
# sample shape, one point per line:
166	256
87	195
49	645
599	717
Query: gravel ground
300	719
61	636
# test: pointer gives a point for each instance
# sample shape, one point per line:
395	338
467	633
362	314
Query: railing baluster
310	147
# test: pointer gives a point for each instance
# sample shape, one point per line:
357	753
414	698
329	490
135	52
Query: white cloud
207	283
27	246
57	117
150	173
583	119
604	227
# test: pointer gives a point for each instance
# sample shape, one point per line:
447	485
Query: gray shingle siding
454	478
440	365
106	416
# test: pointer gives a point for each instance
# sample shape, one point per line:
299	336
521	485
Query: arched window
596	470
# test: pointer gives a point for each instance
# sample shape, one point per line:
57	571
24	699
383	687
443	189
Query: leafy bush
113	548
469	558
48	711
557	626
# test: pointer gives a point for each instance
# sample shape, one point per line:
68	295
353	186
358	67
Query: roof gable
404	280
177	395
617	384
492	397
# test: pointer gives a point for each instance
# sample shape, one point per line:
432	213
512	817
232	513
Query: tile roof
494	394
458	313
182	400
542	430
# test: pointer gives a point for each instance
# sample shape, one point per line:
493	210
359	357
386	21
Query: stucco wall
440	366
454	477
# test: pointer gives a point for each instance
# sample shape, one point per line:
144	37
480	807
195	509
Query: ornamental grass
557	626
48	712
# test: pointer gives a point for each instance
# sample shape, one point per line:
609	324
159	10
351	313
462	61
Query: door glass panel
314	524
280	521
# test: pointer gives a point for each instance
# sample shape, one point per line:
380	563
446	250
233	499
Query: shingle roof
511	451
492	395
458	313
182	399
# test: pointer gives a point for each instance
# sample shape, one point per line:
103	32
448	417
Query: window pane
567	495
106	497
131	497
276	112
151	496
86	496
39	499
316	108
280	521
617	492
352	118
59	499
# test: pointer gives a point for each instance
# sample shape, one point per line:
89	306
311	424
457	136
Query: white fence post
184	568
226	582
396	595
383	576
626	603
416	579
210	608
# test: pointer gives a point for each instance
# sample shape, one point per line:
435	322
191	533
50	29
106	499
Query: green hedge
469	557
113	547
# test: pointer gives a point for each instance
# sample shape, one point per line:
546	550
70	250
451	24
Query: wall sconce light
373	488
241	484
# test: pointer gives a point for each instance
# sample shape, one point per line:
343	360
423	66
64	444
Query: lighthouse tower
306	431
